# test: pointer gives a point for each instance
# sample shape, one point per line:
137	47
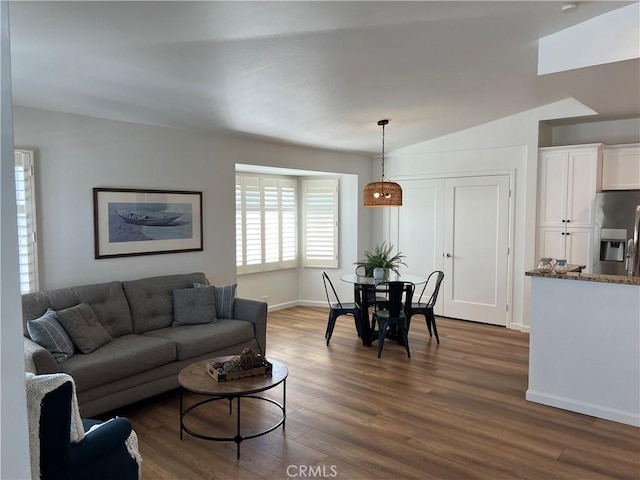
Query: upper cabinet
621	167
569	180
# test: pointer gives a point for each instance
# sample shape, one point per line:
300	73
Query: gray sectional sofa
145	353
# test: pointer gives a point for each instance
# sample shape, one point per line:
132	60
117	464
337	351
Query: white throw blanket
37	387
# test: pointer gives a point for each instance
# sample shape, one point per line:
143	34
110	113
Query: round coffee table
195	378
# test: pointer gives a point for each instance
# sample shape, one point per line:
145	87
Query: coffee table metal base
238	438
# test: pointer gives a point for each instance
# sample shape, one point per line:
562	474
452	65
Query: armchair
63	446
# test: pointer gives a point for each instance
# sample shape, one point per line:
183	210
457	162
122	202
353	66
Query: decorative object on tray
248	364
381	258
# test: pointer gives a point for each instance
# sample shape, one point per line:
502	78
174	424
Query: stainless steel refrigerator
617	229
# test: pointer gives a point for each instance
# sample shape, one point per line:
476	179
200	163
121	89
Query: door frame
511	173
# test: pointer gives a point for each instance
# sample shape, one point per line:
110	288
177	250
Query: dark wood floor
453	411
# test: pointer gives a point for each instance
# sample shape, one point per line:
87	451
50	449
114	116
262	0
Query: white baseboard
281	306
296	303
312	303
600	411
520	327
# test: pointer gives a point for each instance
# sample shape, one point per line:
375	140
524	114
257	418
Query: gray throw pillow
47	332
225	297
83	327
193	306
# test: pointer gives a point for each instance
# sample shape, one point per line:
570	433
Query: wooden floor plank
452	411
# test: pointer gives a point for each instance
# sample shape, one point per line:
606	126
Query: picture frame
129	222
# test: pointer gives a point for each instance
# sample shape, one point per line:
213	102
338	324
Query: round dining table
363	285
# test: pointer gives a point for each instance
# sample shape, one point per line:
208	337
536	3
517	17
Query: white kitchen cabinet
568	182
621	167
573	244
552	242
569	179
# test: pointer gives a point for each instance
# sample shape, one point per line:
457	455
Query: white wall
611	132
14	447
76	153
567	330
510	143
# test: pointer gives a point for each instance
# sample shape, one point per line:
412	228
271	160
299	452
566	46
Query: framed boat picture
130	222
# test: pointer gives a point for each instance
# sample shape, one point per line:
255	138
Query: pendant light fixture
382	193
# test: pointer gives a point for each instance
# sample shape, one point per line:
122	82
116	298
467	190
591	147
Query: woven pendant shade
382	193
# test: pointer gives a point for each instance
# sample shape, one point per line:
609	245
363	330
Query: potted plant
381	258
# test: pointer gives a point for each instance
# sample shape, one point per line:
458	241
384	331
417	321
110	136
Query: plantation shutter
26	219
240	252
266	237
320	230
271	221
289	235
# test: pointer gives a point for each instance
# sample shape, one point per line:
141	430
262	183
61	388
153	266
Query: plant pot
379	273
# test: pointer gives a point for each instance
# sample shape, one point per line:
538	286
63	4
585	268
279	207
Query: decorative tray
265	369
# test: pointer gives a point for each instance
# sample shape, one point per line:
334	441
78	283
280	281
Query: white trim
586	408
455	174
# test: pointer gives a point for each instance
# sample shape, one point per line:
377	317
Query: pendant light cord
383	123
383	152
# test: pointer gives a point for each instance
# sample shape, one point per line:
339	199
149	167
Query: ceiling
313	73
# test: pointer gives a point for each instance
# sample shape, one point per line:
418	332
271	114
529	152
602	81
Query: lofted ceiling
313	73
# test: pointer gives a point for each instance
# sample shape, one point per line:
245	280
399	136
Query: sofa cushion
225	298
192	306
151	299
120	358
83	327
34	305
107	300
195	340
48	332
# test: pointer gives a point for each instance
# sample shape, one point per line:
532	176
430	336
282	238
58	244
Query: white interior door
416	228
476	240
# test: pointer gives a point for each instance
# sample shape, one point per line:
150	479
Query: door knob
448	255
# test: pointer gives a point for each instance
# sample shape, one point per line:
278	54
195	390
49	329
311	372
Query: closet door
476	240
417	228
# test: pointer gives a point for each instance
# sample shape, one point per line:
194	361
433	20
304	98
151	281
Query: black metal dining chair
426	308
338	308
375	294
394	314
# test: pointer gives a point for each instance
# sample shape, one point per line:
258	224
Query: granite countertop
575	274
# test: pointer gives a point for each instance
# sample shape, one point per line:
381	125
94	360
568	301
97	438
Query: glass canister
545	265
561	266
